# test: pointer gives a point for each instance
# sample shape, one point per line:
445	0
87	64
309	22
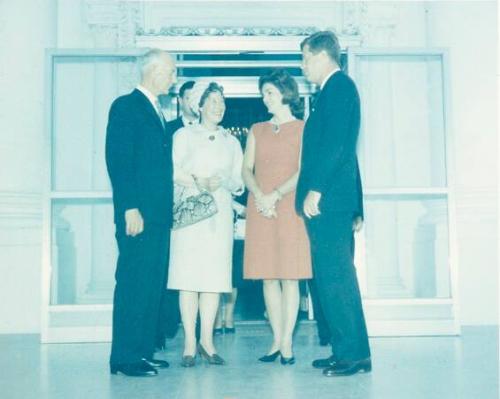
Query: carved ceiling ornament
113	23
123	23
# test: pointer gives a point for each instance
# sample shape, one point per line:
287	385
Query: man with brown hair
329	196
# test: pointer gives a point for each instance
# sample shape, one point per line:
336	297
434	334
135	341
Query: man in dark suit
170	318
329	195
139	161
187	117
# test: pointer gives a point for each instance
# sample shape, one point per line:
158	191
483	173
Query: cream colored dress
201	254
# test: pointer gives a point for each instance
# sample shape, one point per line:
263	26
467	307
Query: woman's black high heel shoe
287	360
270	358
212	359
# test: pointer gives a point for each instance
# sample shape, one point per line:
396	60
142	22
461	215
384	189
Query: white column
28	28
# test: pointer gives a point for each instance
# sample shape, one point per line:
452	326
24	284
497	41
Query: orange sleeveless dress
276	248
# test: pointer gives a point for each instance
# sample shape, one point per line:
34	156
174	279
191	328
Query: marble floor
403	368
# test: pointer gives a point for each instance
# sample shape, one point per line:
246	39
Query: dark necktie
314	99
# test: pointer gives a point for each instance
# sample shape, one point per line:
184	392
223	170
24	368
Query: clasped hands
210	184
266	204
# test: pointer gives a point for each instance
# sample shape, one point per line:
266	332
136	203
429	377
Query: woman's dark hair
288	88
212	88
323	40
186	86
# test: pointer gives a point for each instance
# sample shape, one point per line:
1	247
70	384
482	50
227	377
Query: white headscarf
196	92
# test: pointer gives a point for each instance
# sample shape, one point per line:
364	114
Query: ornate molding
130	17
114	23
351	14
232	38
377	22
230	31
102	12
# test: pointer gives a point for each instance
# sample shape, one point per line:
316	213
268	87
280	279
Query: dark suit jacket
175	124
329	162
139	160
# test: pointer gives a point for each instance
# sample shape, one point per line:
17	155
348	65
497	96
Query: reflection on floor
404	368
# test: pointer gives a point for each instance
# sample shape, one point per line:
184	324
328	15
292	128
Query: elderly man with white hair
139	161
207	170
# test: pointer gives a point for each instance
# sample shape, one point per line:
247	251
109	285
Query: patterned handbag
192	209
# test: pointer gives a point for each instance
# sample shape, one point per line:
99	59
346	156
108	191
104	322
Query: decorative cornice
377	21
130	13
230	31
350	18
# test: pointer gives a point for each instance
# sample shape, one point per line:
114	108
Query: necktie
314	99
160	114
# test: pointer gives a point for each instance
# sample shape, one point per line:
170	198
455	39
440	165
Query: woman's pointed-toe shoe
287	360
212	359
188	361
270	358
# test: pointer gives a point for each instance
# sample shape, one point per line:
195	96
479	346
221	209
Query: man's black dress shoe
161	364
218	331
139	369
323	363
345	368
270	358
287	361
324	342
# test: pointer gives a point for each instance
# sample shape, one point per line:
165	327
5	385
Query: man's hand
134	222
357	223
311	204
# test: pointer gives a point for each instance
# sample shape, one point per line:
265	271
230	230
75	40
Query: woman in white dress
206	158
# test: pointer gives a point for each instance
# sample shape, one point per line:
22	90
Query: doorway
405	254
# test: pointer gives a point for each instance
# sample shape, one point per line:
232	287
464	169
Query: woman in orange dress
276	243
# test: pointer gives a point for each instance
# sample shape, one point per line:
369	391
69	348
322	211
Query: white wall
37	25
469	30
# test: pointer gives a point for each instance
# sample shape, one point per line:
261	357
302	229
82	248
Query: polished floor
404	368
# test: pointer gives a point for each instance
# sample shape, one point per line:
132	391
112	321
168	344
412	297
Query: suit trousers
336	285
140	281
323	330
170	316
